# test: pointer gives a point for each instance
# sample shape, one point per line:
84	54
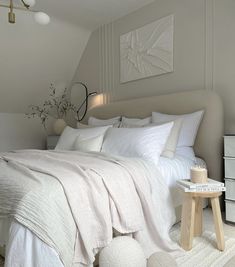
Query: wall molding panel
107	55
209	44
106	59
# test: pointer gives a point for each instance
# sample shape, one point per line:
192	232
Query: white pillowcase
170	147
90	144
129	122
189	128
187	152
69	135
98	122
173	138
146	143
83	126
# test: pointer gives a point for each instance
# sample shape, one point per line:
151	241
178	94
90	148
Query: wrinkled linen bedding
73	200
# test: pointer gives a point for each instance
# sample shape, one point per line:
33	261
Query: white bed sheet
176	169
27	248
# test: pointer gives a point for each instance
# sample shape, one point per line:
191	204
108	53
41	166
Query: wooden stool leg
198	217
218	223
187	222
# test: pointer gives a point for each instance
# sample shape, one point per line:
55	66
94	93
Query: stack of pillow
149	138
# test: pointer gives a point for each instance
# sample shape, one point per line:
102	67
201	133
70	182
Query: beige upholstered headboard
209	139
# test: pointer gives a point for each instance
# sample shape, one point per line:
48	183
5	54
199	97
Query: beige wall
31	57
204	58
189	43
18	132
224	58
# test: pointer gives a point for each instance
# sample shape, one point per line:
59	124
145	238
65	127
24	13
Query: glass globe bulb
42	18
30	2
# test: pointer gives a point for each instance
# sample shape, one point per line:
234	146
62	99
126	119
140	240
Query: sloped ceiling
32	56
91	13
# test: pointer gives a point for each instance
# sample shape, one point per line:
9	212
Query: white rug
204	252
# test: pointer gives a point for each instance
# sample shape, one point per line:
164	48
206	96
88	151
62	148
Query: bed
208	147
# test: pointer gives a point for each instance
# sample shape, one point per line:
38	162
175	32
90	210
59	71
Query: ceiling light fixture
40	17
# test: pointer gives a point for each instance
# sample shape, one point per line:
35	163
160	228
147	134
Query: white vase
59	126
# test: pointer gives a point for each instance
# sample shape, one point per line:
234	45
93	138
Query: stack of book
210	186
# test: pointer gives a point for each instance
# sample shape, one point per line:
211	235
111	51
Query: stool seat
192	213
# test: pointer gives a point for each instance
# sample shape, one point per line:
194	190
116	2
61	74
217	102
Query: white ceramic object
123	251
59	126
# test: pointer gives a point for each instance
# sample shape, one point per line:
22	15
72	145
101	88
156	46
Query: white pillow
187	152
189	128
129	122
173	138
83	126
170	147
89	144
146	143
69	135
98	122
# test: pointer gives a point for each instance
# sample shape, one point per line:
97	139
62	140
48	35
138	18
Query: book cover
211	183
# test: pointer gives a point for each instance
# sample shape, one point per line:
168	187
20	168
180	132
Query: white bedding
176	169
26	247
159	214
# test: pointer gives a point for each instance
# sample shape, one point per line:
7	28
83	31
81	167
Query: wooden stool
191	221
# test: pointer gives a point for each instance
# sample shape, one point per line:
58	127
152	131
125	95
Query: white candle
198	175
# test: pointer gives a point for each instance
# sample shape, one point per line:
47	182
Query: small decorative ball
123	251
161	259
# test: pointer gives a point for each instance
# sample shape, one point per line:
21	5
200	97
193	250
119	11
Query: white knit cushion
161	259
123	251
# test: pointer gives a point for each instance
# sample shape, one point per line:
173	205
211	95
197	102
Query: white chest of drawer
229	172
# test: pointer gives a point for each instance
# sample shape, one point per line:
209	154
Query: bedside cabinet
52	141
229	168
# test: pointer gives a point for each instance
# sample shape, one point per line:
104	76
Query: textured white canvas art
147	51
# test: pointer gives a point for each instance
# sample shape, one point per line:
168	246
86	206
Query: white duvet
176	169
102	193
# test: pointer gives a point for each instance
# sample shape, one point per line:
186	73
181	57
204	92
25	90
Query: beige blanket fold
97	193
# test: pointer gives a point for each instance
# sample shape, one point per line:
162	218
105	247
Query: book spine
206	189
197	186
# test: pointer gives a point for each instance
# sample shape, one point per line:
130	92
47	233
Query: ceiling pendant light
30	3
40	17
